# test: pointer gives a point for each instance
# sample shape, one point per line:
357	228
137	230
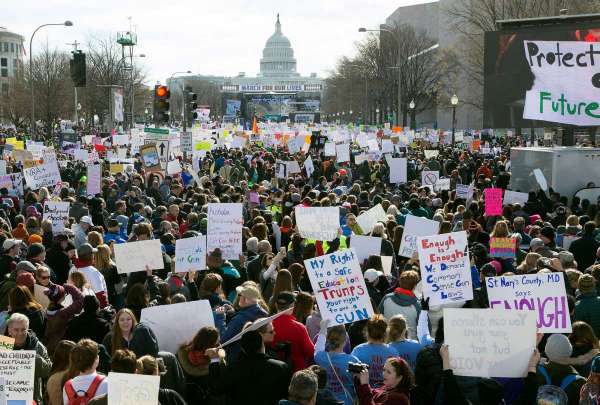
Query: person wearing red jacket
288	329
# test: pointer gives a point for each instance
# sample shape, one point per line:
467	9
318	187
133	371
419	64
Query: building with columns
278	92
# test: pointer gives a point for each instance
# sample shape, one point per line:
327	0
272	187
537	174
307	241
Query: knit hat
20	232
587	284
35	238
558	347
25	266
296	198
26	279
497	266
488	270
55	293
566	258
35	249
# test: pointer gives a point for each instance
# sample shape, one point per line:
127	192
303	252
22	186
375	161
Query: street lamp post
412	111
454	102
66	24
397	40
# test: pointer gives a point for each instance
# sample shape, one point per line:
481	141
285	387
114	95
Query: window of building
15	64
3	62
12	47
6	47
4	72
4	89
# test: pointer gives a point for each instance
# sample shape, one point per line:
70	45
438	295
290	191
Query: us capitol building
277	93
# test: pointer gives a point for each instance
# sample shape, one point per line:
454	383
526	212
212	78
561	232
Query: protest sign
386	264
431	153
42	175
330	149
543	292
57	213
132	389
340	288
493	201
445	267
541	179
190	254
342	152
398	173
441	185
414	227
6	343
504	248
135	256
429	178
17	368
320	223
369	218
515	197
13	183
225	229
464	191
173	167
94	179
365	246
176	324
150	157
489	342
40	297
309	167
568	86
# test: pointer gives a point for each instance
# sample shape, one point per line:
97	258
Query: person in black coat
254	378
584	249
88	324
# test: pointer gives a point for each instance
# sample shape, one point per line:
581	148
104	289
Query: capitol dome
278	56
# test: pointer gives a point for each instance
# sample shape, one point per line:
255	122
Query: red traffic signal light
162	92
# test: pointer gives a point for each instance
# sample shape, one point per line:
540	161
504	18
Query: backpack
75	398
551	391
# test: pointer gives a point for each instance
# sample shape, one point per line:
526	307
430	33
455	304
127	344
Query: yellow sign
204	145
116	168
6	343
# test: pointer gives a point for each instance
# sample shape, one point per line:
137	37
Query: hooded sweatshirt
403	302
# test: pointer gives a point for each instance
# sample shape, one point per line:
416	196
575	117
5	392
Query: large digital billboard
539	76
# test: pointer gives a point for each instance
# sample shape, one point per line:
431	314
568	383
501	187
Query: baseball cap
371	275
248	291
86	249
86	220
25	265
10	243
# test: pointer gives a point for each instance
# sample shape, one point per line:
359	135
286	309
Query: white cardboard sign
368	219
225	229
133	389
190	254
445	267
135	256
176	324
319	223
489	342
413	228
57	212
17	368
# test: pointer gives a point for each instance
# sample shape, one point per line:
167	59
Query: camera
357	368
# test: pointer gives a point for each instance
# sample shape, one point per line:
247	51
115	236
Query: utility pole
74	45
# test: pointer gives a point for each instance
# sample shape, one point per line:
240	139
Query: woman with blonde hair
114	281
95	239
529	265
397	333
78	279
500	230
572	225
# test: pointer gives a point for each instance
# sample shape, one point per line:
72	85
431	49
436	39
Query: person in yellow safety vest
343	244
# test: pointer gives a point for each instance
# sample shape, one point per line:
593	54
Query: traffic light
161	104
190	106
77	69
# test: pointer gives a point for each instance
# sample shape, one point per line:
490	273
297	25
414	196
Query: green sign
161	131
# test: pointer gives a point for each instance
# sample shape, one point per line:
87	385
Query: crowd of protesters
87	323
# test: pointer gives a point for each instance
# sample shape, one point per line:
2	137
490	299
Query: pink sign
493	201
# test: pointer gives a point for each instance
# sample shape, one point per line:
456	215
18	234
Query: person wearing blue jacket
249	311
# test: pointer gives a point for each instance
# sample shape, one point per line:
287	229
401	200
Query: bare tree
53	88
15	105
400	55
472	18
